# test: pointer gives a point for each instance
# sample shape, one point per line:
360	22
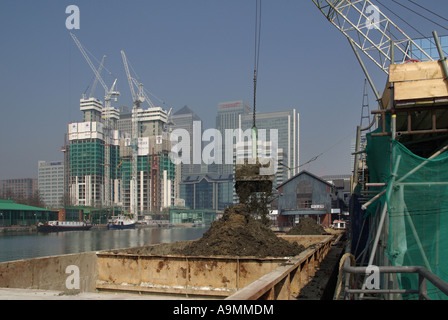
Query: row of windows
50	172
46	185
304	195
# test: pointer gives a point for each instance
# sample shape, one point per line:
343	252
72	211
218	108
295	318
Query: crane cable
419	14
257	49
407	23
437	15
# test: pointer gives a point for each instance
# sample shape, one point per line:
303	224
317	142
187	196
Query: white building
51	182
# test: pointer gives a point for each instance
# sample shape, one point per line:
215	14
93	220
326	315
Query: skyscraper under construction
85	160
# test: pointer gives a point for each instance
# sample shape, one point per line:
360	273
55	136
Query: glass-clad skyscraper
228	117
287	125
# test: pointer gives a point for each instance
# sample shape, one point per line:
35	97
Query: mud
237	233
159	249
307	226
247	170
246	189
254	190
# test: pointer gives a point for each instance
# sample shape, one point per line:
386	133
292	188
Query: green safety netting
378	150
417	200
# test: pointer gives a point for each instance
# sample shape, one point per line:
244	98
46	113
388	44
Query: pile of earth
307	226
237	233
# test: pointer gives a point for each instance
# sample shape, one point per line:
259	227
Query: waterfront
26	245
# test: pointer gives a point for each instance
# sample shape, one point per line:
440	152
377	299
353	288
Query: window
304	195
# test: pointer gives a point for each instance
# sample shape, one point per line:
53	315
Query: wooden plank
415	71
385	99
421	89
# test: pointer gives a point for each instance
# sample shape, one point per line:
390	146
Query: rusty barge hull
210	277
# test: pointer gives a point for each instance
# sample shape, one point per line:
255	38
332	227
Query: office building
22	188
51	182
207	191
228	117
287	125
185	118
124	124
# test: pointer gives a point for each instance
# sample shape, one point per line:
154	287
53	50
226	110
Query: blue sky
197	53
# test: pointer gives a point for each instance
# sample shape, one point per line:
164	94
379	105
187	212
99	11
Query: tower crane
169	121
142	93
137	99
367	28
109	93
96	79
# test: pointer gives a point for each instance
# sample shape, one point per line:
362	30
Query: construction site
396	237
111	168
392	248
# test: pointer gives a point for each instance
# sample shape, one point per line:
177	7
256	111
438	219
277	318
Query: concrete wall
49	273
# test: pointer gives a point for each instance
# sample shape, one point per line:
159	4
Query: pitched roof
308	173
184	110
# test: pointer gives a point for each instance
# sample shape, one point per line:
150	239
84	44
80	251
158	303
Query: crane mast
137	99
370	30
109	93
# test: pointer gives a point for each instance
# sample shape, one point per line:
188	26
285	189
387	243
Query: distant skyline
197	53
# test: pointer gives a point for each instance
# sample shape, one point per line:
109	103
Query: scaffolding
86	175
399	206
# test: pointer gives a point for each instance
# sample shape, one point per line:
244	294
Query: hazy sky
187	52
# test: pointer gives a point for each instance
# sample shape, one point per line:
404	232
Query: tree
35	200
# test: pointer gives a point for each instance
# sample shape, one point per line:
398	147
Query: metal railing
423	276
